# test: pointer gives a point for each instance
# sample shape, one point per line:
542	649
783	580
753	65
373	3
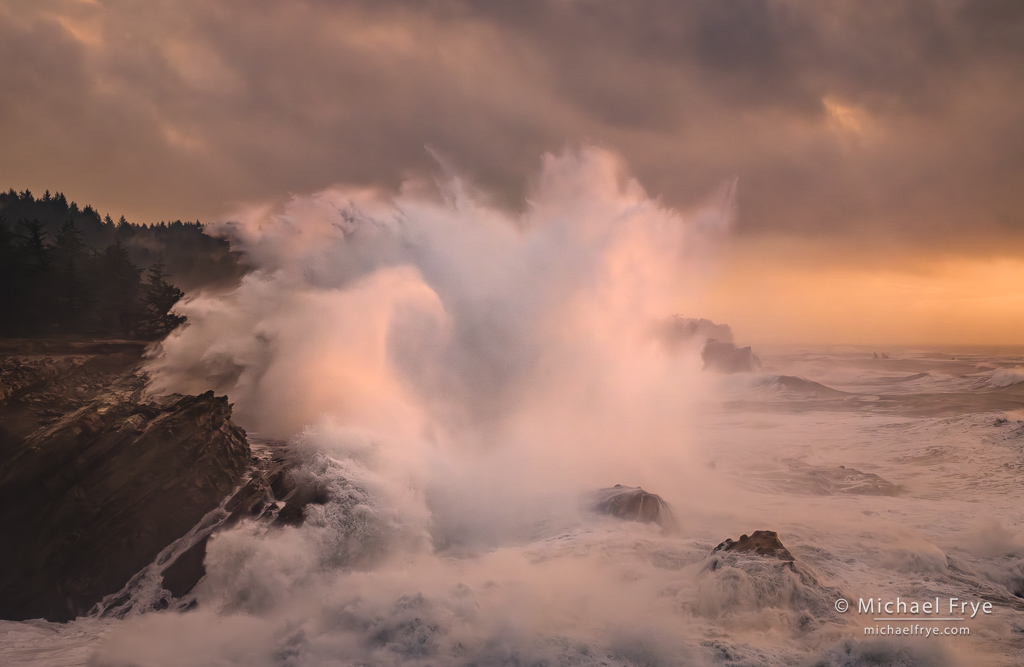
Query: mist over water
462	380
457	335
435	310
472	375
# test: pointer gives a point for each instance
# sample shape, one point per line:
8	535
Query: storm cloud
840	119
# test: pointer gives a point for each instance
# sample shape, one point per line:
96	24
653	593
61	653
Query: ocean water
463	379
886	478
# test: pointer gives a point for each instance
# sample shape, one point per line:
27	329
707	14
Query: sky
878	148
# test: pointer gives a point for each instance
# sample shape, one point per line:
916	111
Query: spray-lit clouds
836	118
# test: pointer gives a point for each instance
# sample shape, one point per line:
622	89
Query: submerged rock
632	503
831	480
95	481
850	480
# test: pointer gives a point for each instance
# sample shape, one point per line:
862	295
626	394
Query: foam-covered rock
756	580
760	542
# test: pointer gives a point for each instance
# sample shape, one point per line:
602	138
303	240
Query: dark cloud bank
839	119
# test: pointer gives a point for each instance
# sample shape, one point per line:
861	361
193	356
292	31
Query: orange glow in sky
772	297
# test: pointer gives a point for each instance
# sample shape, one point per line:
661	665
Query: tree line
66	271
193	258
64	288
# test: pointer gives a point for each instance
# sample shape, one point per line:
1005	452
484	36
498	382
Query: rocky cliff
95	477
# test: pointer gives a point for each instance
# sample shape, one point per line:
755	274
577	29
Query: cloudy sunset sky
878	147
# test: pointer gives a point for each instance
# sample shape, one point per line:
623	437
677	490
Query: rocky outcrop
725	357
719	353
632	503
760	542
276	492
96	480
761	553
758	572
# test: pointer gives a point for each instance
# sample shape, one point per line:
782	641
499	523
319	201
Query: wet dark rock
252	500
181	576
262	492
290	515
758	572
760	542
277	491
632	503
723	357
297	491
95	482
19	374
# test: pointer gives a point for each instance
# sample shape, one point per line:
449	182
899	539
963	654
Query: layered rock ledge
95	478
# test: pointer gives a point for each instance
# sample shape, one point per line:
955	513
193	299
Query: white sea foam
1004	377
462	379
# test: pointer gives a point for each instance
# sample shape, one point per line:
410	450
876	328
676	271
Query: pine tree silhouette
70	289
119	290
159	297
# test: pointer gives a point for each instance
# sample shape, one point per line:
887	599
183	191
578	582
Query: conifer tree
34	265
118	291
11	278
159	297
70	289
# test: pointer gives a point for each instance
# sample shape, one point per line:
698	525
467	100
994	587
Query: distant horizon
761	288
